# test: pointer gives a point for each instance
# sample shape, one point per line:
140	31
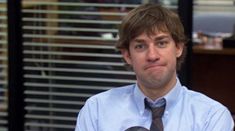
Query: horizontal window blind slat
66	45
3	114
68	37
3	89
3	50
3	42
80	70
75	86
46	101
69	29
3	74
54	93
63	20
3	82
3	122
79	78
3	34
3	17
3	65
3	58
3	98
49	117
77	4
3	26
63	53
3	9
38	11
51	109
73	62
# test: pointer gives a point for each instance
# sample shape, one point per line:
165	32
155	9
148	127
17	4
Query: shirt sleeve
219	120
87	117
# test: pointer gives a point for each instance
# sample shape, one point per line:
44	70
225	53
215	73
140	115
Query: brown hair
149	18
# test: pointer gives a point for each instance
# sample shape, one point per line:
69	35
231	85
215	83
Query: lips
153	66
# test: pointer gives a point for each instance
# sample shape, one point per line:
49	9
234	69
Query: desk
213	73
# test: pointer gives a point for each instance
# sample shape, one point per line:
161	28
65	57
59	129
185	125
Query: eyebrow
139	40
162	37
155	39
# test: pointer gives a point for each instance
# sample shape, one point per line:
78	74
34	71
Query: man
152	42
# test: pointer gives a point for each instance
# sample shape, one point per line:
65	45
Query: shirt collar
139	99
171	97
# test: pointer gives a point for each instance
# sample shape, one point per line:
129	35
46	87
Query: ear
126	56
179	49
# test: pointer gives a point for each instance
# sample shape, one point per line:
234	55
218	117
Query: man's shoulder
208	111
202	101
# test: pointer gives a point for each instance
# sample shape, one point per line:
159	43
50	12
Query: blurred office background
54	54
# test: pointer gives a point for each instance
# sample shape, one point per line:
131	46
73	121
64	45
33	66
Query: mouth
154	66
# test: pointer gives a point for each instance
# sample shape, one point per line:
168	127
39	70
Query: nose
152	54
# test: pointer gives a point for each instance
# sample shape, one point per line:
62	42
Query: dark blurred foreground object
136	128
230	41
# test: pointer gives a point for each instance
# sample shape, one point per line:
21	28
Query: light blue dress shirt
121	108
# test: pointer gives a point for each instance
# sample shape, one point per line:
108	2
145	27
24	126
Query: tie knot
157	112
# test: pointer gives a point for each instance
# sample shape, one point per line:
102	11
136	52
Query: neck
157	92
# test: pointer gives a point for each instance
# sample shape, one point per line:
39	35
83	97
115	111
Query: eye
162	44
140	46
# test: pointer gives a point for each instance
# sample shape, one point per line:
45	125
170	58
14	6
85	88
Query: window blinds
69	55
3	66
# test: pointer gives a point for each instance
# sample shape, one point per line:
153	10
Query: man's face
153	59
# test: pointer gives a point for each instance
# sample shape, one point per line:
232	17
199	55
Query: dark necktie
157	113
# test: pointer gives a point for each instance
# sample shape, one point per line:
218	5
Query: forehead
154	35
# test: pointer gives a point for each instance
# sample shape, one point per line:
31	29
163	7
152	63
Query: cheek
169	57
137	63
